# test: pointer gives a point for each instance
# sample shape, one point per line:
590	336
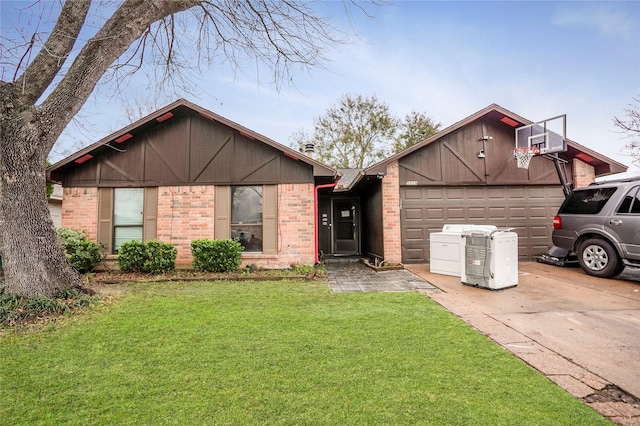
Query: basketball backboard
549	136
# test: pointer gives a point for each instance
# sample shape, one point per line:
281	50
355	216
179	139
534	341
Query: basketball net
524	156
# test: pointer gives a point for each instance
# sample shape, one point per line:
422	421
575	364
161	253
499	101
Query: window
631	203
588	201
128	206
246	216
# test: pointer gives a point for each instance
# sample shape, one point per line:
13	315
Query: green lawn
288	353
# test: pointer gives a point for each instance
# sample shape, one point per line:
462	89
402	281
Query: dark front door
346	213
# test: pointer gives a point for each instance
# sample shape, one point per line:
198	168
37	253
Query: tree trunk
32	258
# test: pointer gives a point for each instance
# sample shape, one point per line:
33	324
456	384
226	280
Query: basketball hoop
524	156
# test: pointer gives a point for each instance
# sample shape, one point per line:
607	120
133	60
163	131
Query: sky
448	59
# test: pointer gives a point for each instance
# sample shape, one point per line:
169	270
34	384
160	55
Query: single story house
184	173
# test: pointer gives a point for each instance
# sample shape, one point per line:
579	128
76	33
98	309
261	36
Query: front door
346	213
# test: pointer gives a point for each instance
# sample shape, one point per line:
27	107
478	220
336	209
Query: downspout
315	215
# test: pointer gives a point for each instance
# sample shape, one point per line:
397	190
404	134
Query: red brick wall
186	213
583	173
391	214
296	243
80	210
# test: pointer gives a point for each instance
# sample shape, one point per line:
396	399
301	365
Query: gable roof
603	165
179	107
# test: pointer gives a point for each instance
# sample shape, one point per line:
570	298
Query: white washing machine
447	248
491	259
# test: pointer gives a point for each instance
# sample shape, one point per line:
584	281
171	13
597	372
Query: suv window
587	201
631	203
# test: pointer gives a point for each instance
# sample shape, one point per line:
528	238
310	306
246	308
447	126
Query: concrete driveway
580	331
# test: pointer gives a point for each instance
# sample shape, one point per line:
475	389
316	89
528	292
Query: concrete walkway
348	275
581	332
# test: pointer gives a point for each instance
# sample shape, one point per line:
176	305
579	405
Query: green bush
82	254
153	257
131	256
216	255
161	257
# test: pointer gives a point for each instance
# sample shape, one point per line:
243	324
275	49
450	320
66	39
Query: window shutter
150	223
270	219
222	207
105	215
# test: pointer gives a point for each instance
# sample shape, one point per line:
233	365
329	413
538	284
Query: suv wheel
598	258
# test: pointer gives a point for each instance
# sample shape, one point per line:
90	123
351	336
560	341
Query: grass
278	353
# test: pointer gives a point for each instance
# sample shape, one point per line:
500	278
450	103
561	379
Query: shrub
131	256
82	254
153	257
216	255
161	257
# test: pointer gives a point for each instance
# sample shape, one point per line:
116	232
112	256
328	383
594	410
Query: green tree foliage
631	127
415	128
360	130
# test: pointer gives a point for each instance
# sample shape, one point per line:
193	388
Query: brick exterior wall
80	210
186	213
391	214
296	236
583	173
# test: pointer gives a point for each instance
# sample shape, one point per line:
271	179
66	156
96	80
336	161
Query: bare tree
49	73
631	127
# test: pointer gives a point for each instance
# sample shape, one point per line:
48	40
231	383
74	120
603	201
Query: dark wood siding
455	159
372	230
188	150
527	209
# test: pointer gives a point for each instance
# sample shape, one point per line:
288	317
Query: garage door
529	210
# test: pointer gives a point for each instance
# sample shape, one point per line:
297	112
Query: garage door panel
454	193
539	231
436	214
497	213
455	213
496	193
541	212
415	234
475	194
518	213
516	193
413	214
416	255
477	213
527	209
433	194
413	194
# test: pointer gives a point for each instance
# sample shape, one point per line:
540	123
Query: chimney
309	149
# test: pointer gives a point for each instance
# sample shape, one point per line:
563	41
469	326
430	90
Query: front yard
286	352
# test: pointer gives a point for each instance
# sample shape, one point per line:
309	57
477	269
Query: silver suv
601	224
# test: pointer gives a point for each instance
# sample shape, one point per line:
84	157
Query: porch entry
345	236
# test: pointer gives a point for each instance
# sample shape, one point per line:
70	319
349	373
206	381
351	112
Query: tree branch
41	72
125	26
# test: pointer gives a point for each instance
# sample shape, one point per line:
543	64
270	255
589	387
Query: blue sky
449	59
